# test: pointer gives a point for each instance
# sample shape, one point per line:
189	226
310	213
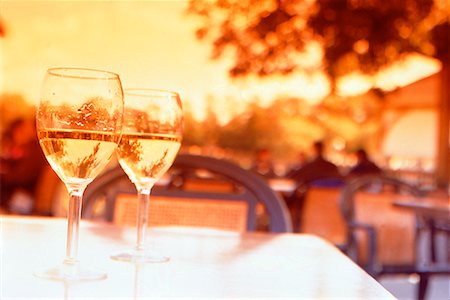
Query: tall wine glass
152	132
79	122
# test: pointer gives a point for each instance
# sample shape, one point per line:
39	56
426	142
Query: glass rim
83	73
148	92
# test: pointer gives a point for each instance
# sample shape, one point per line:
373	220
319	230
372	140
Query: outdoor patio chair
314	207
320	215
382	238
196	191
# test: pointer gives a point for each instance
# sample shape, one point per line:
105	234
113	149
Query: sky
149	44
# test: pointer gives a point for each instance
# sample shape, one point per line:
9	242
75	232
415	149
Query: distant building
411	125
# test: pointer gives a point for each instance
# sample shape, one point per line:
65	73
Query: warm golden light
153	44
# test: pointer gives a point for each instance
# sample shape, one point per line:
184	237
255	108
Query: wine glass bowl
79	122
151	138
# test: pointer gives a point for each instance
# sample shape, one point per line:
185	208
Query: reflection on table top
204	263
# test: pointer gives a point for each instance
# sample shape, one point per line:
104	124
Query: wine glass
79	122
151	138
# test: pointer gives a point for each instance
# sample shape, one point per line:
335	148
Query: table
432	211
204	264
436	208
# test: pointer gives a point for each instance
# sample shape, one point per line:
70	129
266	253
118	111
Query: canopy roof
423	93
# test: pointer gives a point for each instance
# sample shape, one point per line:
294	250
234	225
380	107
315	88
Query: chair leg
432	239
296	219
423	285
295	207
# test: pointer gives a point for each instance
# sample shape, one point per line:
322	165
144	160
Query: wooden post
443	160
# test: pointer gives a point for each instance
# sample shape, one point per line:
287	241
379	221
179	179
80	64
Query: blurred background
257	75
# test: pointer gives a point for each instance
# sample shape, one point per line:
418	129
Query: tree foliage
289	126
268	37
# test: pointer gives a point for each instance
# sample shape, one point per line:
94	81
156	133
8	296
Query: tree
13	106
356	35
270	37
244	131
199	132
2	28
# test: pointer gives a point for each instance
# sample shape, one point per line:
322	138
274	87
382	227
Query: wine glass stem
142	219
74	215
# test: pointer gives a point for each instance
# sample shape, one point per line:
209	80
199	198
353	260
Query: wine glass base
71	273
139	256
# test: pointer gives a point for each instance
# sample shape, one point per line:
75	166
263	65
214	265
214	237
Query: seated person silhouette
299	163
263	164
318	171
364	165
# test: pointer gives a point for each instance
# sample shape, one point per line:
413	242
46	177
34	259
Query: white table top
204	264
283	185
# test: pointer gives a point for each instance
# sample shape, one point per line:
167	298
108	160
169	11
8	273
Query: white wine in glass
79	122
151	138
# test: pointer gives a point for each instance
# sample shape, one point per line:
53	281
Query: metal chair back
191	181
